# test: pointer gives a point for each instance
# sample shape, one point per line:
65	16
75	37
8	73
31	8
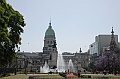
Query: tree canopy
11	27
108	61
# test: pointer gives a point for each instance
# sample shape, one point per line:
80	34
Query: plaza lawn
20	76
101	76
56	76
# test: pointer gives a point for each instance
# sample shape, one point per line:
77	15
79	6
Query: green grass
50	76
20	76
56	76
101	76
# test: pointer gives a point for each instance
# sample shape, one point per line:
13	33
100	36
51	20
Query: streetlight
114	64
108	66
20	67
16	65
16	61
25	64
93	69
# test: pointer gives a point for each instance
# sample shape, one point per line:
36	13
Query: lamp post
108	66
93	68
114	70
16	65
26	63
16	61
20	67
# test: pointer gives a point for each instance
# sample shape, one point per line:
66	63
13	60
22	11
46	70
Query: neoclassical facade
50	52
34	60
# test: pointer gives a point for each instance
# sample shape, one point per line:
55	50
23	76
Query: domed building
31	61
50	52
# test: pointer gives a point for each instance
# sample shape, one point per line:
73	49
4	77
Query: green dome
50	32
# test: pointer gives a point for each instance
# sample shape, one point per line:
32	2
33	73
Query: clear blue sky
75	22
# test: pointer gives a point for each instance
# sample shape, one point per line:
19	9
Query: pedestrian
96	71
78	73
68	71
